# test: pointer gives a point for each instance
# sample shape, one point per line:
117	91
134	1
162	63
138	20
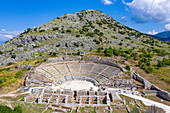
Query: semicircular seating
78	71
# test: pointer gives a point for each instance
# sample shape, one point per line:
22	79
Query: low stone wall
95	59
147	85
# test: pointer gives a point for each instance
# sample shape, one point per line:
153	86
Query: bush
101	34
53	54
6	109
163	63
42	31
68	31
55	28
91	49
90	34
77	35
108	51
10	63
149	69
18	109
19	45
85	29
96	31
97	41
76	44
116	52
1	52
127	67
13	56
99	49
58	45
18	74
4	69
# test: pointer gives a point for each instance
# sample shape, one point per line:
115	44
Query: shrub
42	31
58	45
68	31
100	39
13	56
82	44
127	38
5	109
90	34
55	28
121	32
85	29
149	69
96	31
143	66
53	54
116	52
1	52
19	45
18	109
81	32
108	51
18	74
127	67
77	35
91	49
99	49
10	63
76	44
101	34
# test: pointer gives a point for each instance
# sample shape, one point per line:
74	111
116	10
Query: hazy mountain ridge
165	36
72	33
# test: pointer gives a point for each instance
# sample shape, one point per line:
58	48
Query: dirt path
149	102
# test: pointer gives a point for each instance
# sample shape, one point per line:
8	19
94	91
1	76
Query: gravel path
149	102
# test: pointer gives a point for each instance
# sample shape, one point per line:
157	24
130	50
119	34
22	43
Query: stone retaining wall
147	85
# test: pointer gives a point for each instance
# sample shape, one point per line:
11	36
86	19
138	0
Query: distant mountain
165	36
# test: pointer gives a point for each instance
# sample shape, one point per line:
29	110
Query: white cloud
3	30
107	2
123	19
167	27
152	32
150	10
7	35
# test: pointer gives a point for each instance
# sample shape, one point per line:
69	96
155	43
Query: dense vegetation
6	109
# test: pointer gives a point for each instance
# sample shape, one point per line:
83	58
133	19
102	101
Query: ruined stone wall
147	85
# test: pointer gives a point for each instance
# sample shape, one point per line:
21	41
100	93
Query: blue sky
148	16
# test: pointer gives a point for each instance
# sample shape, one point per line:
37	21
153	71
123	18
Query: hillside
43	68
92	32
164	35
73	32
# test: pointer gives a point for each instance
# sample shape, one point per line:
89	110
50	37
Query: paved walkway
149	102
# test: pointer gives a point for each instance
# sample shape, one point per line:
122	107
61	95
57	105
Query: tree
68	31
76	44
99	49
18	109
5	109
127	67
13	56
108	51
55	28
1	52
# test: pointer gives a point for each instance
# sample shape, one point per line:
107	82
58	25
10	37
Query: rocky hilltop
70	33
